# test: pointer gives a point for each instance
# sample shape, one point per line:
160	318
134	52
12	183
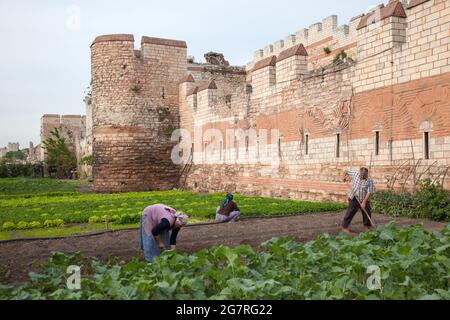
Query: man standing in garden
359	198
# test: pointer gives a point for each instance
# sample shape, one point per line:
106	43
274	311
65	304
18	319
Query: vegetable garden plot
55	210
414	264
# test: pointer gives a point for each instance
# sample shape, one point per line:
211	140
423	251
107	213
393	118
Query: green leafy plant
35	225
87	160
414	264
94	219
8	225
22	225
341	56
431	201
327	50
169	131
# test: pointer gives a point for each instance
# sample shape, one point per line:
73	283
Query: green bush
14	170
431	201
393	204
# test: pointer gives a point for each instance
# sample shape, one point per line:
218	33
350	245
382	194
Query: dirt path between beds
17	258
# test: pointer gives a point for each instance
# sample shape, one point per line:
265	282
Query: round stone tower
134	111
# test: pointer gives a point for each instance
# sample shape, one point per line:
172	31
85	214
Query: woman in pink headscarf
160	225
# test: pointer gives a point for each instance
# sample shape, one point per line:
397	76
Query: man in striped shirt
359	197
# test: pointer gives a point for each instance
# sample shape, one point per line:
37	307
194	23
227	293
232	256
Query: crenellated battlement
325	33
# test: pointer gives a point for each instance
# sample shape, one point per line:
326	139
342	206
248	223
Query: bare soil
17	258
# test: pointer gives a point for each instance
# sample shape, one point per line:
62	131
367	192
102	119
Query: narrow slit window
279	147
257	147
426	145
205	155
377	143
181	150
220	151
338	145
307	144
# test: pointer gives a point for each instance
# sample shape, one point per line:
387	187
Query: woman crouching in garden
160	225
228	211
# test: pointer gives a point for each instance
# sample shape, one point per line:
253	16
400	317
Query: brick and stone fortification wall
384	106
134	110
71	127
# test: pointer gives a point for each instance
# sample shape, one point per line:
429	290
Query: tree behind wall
13	156
59	159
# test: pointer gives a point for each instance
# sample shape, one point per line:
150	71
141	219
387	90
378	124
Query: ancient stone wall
385	105
134	110
374	93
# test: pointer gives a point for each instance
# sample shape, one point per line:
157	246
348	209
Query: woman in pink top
160	225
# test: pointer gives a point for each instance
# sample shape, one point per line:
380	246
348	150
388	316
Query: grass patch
23	186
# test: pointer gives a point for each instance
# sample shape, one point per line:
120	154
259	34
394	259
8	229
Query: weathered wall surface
383	103
71	127
134	108
395	84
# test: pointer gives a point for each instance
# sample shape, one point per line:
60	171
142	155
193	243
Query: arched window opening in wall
204	152
247	142
338	145
426	128
426	145
221	151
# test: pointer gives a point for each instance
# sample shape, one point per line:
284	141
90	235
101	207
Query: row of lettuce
123	219
34	211
387	263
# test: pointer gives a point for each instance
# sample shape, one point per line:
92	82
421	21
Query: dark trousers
353	207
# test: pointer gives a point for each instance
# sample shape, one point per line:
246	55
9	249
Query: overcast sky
44	55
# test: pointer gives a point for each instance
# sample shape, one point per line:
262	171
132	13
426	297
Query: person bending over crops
359	198
228	211
160	225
